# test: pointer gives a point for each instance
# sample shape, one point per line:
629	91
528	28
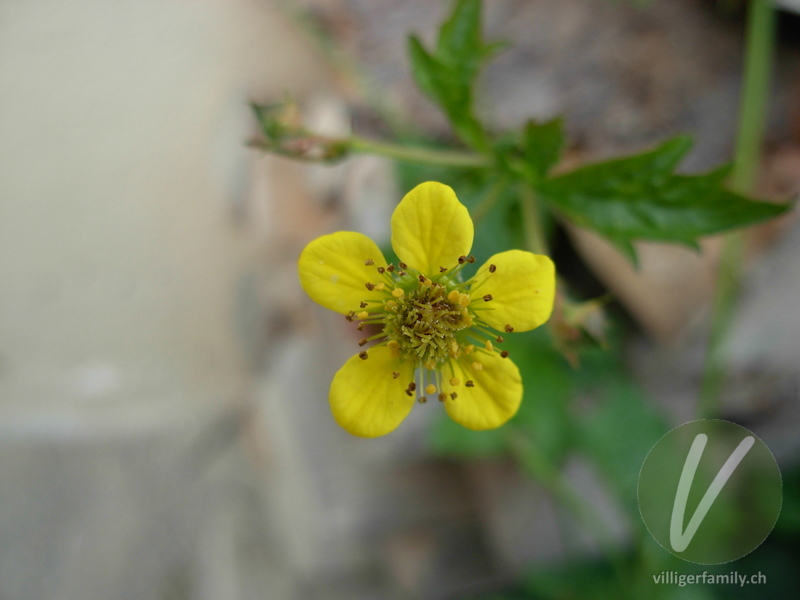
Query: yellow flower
438	335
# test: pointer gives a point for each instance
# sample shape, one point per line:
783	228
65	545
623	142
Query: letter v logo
678	538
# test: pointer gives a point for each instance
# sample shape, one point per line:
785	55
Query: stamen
402	265
504	354
470	383
442	397
492	268
391	305
381	270
398	292
499	339
369	262
380	287
392	344
395	374
421	278
471	259
454	381
462	259
488	345
363	315
363	304
360	326
390	268
509	328
370	286
430	389
412	386
453	395
363	342
363	355
442	269
477	366
487	297
422	399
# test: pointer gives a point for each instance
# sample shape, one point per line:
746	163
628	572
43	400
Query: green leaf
542	144
619	433
641	198
447	75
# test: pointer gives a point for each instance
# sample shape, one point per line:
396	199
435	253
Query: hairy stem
752	116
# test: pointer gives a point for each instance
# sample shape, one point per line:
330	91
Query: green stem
535	240
755	94
488	201
424	156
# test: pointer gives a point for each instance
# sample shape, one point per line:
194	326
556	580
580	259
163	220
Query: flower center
424	322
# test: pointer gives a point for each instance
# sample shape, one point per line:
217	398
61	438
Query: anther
381	270
392	344
398	292
454	381
360	326
363	304
442	269
363	314
421	278
492	268
430	389
390	268
487	297
454	296
363	342
380	287
509	328
369	262
471	259
412	386
499	339
402	265
442	397
462	259
370	286
504	354
363	355
409	393
470	383
395	374
349	316
453	395
422	399
477	366
488	345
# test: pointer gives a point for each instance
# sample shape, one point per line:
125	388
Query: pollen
454	381
488	345
380	287
430	389
398	292
363	315
477	366
392	344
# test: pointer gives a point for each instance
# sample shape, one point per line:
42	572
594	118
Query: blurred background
164	427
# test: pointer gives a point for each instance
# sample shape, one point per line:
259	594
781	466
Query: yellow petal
431	228
494	397
333	273
522	288
366	399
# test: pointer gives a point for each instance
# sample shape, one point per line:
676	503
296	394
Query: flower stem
755	93
531	222
424	156
488	201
